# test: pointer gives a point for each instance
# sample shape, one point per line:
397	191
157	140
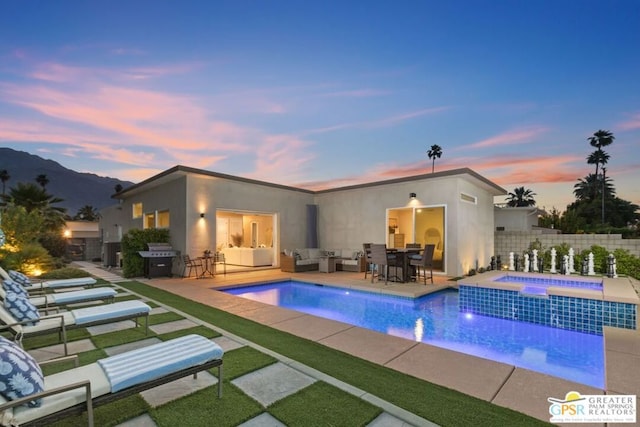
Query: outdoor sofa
80	389
308	259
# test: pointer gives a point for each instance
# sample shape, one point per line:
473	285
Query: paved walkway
265	385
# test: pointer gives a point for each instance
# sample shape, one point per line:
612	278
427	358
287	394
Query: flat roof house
253	221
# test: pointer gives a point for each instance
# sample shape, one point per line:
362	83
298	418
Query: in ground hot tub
583	304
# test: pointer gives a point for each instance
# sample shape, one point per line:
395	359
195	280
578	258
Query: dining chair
368	266
193	264
424	263
219	258
381	258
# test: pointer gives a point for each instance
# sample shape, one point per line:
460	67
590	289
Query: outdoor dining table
403	256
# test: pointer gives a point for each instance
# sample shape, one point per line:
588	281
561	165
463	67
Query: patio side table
327	264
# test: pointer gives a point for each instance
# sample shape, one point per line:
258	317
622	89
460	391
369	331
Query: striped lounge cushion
155	361
109	311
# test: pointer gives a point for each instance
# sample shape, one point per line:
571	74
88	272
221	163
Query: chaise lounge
79	318
61	298
42	284
82	388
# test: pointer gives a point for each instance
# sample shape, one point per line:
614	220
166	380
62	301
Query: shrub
64	273
136	240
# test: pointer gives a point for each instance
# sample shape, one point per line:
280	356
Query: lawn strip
321	404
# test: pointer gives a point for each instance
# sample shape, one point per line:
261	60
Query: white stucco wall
347	217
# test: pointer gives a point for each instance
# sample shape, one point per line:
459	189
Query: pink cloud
60	73
280	158
392	121
503	171
384	122
632	123
518	136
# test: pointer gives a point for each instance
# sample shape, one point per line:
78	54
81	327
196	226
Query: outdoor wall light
412	195
201	214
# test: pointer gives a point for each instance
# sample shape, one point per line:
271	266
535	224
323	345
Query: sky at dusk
326	94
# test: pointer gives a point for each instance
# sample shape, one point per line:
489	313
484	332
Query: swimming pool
436	319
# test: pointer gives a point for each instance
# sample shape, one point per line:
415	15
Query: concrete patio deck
505	385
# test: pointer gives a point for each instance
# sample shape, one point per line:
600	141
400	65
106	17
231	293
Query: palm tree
4	177
598	157
33	198
87	213
590	186
601	138
521	197
42	180
434	151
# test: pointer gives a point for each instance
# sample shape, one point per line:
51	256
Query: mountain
75	188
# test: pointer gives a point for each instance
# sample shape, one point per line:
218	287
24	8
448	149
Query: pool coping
505	385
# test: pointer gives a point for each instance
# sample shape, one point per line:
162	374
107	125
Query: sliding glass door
423	225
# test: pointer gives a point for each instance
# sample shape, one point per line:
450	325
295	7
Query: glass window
149	220
163	219
137	210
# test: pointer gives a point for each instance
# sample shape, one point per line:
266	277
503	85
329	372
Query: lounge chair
28	284
79	318
63	298
82	388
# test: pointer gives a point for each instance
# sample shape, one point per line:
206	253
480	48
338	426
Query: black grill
158	260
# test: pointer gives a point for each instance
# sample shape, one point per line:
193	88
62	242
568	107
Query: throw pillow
11	286
21	308
20	278
20	375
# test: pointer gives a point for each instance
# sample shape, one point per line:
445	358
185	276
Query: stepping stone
263	420
174	390
272	383
54	351
387	420
226	343
141	421
112	327
158	310
177	325
117	349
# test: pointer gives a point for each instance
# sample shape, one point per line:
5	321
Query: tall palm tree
4	177
521	197
601	138
42	180
434	151
598	157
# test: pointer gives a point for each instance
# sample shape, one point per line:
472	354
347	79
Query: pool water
435	319
545	282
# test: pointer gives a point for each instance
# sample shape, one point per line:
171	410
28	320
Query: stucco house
254	221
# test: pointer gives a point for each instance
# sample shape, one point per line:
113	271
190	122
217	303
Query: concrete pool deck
505	385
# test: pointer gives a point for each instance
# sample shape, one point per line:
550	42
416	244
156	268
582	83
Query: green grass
438	404
170	316
323	405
